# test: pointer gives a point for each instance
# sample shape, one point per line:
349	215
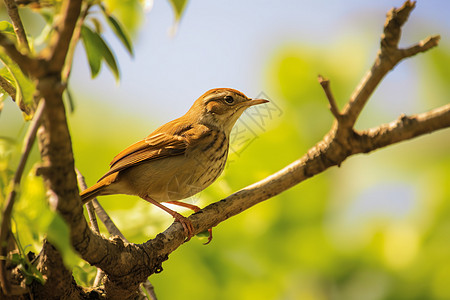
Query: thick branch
147	258
340	143
127	265
311	164
60	283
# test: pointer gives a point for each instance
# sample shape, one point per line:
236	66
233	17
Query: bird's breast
210	158
179	177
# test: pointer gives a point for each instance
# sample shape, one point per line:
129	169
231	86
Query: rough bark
127	265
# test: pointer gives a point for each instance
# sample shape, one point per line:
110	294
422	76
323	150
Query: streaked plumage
180	158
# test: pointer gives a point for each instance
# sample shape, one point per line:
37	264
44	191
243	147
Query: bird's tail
92	192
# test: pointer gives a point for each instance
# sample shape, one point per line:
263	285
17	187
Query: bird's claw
210	237
187	226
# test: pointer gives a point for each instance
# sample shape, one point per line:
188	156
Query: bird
178	159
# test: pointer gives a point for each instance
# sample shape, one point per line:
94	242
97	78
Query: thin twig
149	256
150	289
14	187
388	57
13	13
73	43
89	206
98	277
395	19
311	164
112	229
422	46
59	44
92	220
106	220
325	83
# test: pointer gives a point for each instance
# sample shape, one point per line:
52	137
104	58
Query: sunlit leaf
24	86
58	234
97	25
28	270
96	50
178	7
3	94
92	52
7	27
119	31
16	259
13	74
130	13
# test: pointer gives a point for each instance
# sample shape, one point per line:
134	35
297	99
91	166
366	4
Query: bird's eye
229	99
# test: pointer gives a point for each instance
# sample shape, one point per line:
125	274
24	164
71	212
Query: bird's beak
252	102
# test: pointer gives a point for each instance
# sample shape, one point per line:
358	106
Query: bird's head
222	107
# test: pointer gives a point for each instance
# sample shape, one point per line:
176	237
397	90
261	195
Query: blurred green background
378	227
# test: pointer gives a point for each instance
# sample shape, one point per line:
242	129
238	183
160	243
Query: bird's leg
187	224
195	208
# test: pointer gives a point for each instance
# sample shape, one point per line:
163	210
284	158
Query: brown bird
180	158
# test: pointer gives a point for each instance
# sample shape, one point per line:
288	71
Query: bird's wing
160	144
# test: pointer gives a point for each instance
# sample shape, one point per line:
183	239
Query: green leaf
16	259
178	7
92	52
129	12
3	94
96	50
118	30
28	270
7	27
58	234
24	86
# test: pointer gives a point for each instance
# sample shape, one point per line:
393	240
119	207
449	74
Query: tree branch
26	64
112	229
311	164
127	265
325	83
73	43
388	56
406	127
13	13
60	42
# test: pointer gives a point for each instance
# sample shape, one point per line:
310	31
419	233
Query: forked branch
341	142
388	56
127	265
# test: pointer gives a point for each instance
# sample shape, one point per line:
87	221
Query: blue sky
228	44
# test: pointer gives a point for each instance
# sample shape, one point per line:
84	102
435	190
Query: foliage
34	219
12	73
334	236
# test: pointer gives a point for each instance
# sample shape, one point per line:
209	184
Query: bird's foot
195	208
187	225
